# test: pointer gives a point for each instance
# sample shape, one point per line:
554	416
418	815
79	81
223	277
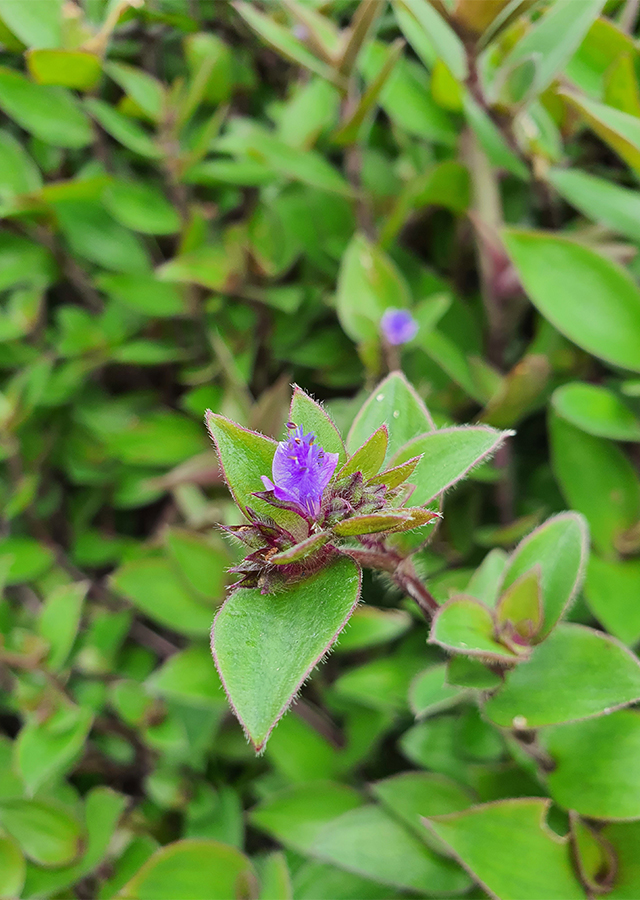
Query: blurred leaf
618	129
69	68
491	140
162	438
18	172
59	620
198	869
145	90
587	298
191	677
610	204
486	838
152	586
445	41
46	750
50	113
611	590
125	131
380	684
430	693
94	235
201	561
37	23
29	558
598	480
46	834
597	411
261	677
141	207
369	626
12	869
596	765
143	293
276	881
554	39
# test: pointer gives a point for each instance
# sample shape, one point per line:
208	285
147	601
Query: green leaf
368	458
161	438
613	206
202	562
211	266
464	625
94	235
123	129
46	834
490	138
412	795
368	284
624	838
18	172
153	586
463	671
447	456
381	684
297	815
198	869
574	674
446	43
60	619
393	403
560	546
143	293
488	838
103	808
370	626
189	677
275	878
284	41
12	869
597	479
521	604
596	410
612	589
29	558
378	522
306	411
301	550
302	621
586	297
244	457
597	765
38	23
554	39
485	581
50	113
47	750
69	68
430	693
396	475
371	843
145	90
141	207
620	130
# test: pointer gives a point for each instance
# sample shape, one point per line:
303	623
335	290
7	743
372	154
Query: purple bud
301	471
398	326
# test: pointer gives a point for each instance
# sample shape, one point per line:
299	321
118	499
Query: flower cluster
319	512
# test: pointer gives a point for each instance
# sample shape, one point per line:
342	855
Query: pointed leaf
610	204
396	475
265	646
368	458
488	838
561	547
396	404
464	625
313	417
446	43
429	692
46	833
47	750
521	604
447	456
485	581
575	673
59	620
592	301
618	129
371	524
244	457
301	550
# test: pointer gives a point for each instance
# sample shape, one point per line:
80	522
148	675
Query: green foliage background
202	203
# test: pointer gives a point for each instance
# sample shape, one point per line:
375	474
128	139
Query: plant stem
402	572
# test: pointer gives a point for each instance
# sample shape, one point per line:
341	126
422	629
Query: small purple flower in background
398	326
301	471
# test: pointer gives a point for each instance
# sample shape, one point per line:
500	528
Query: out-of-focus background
202	203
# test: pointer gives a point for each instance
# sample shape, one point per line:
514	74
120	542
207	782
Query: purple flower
398	326
301	471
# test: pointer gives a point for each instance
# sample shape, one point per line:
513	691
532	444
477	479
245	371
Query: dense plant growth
392	248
